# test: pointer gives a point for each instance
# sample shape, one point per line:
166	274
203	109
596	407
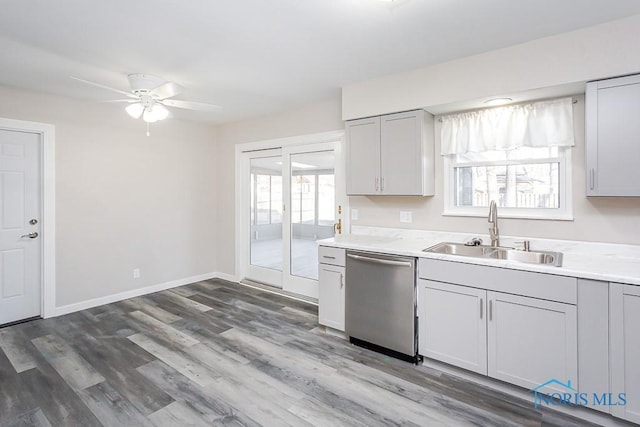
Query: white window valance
538	124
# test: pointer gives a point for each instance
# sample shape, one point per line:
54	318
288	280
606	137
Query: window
313	198
489	157
266	199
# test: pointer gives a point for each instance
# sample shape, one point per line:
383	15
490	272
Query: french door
292	196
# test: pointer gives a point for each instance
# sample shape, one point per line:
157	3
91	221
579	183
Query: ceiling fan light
135	110
160	111
148	116
154	113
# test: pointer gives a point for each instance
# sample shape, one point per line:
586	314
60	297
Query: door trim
48	199
240	178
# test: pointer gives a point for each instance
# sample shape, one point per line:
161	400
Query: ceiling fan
149	97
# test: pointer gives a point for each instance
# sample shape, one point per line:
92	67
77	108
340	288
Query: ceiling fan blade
121	100
189	105
167	90
122	92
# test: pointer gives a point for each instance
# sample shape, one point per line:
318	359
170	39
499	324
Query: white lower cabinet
532	341
331	296
331	281
452	325
521	340
624	350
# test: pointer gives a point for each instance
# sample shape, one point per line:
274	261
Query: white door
20	215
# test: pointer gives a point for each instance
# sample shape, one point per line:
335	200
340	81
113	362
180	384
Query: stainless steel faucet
493	220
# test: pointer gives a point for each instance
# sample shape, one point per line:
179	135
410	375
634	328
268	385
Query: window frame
564	212
316	174
253	185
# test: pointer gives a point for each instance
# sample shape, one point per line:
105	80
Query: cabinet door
452	325
331	296
532	341
625	350
363	156
613	137
401	153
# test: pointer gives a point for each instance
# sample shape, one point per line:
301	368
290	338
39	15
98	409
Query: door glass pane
266	212
312	209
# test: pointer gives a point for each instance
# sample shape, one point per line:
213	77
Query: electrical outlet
354	214
406	216
136	273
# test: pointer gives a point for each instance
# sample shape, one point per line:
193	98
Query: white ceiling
255	57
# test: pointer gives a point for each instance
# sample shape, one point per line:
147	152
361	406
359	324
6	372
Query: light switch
406	216
354	214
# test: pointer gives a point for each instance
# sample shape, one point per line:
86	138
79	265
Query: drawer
333	256
517	282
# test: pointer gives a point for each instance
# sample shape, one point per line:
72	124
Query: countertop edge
558	271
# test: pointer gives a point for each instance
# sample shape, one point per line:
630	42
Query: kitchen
87	132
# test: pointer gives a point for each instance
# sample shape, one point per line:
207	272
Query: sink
460	249
531	257
510	254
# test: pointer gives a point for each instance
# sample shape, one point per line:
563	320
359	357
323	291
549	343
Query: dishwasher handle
381	261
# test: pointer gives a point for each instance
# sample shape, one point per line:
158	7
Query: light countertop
597	261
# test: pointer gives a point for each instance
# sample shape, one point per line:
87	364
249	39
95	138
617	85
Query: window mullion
270	197
505	162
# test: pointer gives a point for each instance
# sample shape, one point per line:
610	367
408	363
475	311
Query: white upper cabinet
363	156
391	155
613	137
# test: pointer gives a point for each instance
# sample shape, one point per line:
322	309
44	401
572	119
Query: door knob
30	235
338	226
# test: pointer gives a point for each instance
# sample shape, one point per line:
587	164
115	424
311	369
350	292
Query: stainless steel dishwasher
381	303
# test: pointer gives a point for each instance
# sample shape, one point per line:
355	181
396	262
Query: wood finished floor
218	354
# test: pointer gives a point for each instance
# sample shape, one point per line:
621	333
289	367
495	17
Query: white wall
124	200
601	51
596	219
166	204
321	117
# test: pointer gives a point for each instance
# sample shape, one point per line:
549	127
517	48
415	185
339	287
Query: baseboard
83	305
225	276
277	291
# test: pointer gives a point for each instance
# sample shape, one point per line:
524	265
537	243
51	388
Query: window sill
511	215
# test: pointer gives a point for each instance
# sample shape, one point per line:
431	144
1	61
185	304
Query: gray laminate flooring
304	256
218	354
